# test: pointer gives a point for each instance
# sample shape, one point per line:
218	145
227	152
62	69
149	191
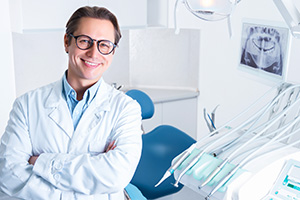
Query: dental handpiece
216	171
190	165
222	182
232	172
261	112
176	164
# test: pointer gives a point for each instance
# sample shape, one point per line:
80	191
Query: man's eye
104	45
85	41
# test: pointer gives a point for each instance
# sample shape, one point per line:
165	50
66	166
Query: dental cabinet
33	15
176	107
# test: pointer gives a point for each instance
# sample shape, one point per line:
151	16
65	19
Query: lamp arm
175	16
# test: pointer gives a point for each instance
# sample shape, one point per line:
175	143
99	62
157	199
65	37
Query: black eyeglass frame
97	41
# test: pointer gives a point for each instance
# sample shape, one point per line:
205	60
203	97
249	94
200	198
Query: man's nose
93	51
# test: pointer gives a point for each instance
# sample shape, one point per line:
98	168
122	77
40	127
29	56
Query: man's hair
93	12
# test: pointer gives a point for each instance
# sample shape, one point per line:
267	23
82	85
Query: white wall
220	82
7	80
39	59
161	59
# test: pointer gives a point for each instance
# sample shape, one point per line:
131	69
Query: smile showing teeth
89	63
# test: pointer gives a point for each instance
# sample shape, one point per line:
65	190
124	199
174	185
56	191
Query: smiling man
77	138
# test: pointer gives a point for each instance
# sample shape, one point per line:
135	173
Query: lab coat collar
98	106
58	105
101	101
58	109
103	97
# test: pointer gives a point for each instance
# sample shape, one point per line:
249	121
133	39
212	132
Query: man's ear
66	43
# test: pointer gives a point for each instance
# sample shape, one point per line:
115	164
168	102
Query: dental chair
160	146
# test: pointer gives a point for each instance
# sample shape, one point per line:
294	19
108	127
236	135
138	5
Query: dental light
208	10
291	15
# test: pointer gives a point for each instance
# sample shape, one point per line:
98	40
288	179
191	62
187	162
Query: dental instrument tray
252	181
243	162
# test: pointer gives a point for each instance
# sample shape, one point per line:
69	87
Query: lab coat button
56	177
58	166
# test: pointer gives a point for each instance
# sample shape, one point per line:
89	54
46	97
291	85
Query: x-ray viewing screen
264	50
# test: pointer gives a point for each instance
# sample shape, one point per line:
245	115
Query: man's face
87	66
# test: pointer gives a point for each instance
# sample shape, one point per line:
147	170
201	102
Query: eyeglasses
85	42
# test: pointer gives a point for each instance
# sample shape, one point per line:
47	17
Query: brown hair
93	12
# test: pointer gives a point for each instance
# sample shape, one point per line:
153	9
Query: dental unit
213	174
230	174
192	163
196	158
220	162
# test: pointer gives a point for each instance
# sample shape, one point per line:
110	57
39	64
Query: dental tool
250	121
221	149
293	124
268	135
219	168
210	127
213	114
176	164
190	165
216	152
196	158
287	105
232	172
281	89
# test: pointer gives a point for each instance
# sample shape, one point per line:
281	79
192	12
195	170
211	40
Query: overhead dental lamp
208	10
291	15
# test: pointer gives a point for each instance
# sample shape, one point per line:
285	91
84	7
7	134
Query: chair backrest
145	102
160	146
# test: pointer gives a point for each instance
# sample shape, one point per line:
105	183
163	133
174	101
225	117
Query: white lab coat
72	164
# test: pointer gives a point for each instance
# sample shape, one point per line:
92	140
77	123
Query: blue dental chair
160	146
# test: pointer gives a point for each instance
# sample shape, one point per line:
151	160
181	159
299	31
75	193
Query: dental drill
196	158
219	168
232	172
219	150
176	164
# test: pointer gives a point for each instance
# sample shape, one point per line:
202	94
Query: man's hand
111	146
32	159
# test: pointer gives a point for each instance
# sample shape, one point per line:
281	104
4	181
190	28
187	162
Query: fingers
111	146
32	159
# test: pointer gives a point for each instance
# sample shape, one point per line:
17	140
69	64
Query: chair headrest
145	102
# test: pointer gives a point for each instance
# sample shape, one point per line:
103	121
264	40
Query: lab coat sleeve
104	173
16	176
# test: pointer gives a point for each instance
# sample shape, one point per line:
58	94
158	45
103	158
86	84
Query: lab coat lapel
96	109
58	109
92	116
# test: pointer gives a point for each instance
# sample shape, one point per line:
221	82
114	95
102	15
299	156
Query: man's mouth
90	63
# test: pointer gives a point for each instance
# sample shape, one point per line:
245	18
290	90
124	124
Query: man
77	138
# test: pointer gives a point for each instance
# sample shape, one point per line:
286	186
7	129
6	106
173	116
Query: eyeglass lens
104	46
